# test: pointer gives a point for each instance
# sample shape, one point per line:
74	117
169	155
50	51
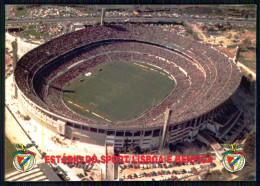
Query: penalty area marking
162	73
95	114
143	66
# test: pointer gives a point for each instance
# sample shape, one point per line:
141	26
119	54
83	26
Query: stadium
134	83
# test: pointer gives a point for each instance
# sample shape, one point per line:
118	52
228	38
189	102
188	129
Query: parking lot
157	171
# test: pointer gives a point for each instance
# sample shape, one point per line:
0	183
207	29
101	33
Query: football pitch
118	91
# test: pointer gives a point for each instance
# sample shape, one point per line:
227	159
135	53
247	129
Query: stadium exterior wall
148	139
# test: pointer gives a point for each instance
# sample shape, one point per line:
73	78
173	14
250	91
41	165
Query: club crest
23	160
233	161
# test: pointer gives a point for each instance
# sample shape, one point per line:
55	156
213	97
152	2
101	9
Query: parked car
164	165
80	175
213	165
86	169
70	165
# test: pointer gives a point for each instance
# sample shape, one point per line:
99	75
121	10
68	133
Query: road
117	19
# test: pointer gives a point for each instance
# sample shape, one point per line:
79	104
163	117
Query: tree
212	176
229	26
187	28
126	147
246	43
172	148
15	49
250	178
250	77
249	147
138	149
218	175
116	151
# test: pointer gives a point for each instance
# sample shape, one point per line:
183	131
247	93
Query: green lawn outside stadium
120	91
9	149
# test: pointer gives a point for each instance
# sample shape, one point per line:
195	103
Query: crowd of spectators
204	78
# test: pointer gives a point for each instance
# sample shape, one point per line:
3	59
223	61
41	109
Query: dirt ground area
248	58
23	47
226	37
43	137
230	52
249	34
16	135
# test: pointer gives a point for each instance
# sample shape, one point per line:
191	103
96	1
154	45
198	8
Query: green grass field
31	31
9	149
21	10
120	91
